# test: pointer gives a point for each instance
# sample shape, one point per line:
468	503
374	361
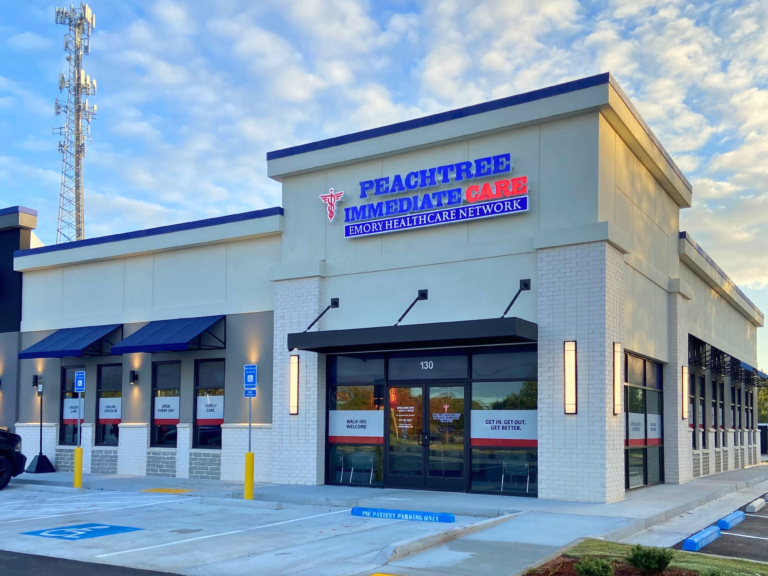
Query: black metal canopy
437	335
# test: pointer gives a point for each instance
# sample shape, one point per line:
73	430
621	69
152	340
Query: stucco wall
715	321
224	278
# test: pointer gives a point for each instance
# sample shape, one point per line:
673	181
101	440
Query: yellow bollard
78	467
248	490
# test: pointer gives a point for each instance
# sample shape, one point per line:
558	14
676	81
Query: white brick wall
183	446
132	449
298	442
30	440
234	446
581	298
678	454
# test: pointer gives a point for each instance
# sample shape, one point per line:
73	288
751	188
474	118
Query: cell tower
77	129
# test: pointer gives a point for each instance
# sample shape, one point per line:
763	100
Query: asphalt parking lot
180	533
748	539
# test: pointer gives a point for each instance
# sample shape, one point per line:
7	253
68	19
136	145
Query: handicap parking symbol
81	531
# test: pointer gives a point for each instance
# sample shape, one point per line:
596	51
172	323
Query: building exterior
626	359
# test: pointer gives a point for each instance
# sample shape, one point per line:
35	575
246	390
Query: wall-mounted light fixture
683	393
569	358
133	377
293	386
37	382
617	383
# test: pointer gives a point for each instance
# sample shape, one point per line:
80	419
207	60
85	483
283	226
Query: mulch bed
563	566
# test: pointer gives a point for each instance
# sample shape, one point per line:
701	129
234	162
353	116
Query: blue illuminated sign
437	217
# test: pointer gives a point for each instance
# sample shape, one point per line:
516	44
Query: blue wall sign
81	531
80	381
402	515
249	393
438	217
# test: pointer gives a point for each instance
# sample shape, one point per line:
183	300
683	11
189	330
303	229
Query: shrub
650	560
590	566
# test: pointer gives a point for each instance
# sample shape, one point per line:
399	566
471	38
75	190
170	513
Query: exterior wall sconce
569	357
133	377
683	392
37	382
617	383
293	386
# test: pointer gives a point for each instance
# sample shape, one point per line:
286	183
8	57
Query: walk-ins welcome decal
418	206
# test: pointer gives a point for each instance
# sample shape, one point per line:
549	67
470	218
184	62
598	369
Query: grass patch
684	560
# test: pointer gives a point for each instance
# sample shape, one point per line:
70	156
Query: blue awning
173	336
73	342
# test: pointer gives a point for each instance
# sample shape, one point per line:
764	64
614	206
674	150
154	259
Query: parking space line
221	534
102	510
757	516
745	536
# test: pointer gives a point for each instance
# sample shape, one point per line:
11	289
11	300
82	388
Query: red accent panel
489	442
690	425
166	421
209	421
355	439
72	421
109	421
635	442
654	441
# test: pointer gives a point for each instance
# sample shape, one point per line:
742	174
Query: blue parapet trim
217	221
403	515
18	210
731	520
699	540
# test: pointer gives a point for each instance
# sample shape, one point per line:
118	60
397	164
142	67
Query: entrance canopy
176	336
436	335
76	342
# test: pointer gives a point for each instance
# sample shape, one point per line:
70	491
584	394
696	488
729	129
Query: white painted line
744	536
221	534
111	493
101	510
757	516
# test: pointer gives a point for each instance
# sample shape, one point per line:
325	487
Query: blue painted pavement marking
402	515
700	539
81	531
731	520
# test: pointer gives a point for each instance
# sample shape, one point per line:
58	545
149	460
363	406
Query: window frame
195	427
98	436
62	397
152	436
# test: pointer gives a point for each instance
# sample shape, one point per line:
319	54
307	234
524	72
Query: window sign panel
356	369
356	415
514	363
166	409
110	410
504	414
654	418
210	410
421	366
71	407
635	417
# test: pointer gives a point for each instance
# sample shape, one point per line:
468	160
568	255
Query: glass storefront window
644	429
356	369
636	467
356	434
515	363
69	428
505	471
166	385
109	404
209	403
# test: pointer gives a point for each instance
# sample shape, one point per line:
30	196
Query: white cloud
28	42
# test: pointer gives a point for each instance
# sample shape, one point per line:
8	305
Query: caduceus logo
330	201
445	408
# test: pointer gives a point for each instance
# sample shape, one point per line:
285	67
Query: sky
191	96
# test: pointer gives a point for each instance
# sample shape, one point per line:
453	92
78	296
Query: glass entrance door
426	437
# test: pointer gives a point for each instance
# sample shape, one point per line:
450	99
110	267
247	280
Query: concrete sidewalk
640	510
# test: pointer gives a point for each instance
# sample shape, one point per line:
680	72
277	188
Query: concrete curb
755	505
52	488
644	524
260	504
405	548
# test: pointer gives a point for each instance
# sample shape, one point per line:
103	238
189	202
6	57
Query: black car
12	461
